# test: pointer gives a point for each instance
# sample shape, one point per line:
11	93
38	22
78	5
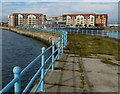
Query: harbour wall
46	37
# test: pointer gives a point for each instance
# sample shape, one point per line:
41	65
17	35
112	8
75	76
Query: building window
81	19
78	20
32	20
21	20
68	21
73	17
92	19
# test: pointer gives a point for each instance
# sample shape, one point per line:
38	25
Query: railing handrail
30	65
8	86
107	33
61	43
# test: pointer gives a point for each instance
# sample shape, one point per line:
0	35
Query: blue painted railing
111	34
57	48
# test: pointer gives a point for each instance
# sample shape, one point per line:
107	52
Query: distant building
3	23
52	18
113	25
85	20
25	19
52	24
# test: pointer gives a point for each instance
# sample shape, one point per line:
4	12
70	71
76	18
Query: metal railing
18	73
111	34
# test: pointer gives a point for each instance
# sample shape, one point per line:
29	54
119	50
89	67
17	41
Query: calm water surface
18	50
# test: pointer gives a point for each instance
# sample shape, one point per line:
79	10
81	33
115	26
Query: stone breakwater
46	37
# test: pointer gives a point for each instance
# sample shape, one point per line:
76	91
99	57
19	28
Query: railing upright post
77	31
117	34
53	52
17	85
64	40
62	43
102	32
97	32
66	37
42	70
92	32
58	47
112	34
82	31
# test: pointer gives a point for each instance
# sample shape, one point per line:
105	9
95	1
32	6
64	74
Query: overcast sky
57	8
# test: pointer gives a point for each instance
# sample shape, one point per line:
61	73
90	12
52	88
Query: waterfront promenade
77	74
73	73
66	77
57	45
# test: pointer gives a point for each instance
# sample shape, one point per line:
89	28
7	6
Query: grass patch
80	65
59	84
83	82
80	70
82	77
74	56
59	68
91	85
81	86
107	61
60	60
79	44
118	73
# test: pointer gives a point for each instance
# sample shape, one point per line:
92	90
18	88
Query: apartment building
85	20
25	19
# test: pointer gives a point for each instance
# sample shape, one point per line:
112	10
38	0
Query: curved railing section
56	51
107	33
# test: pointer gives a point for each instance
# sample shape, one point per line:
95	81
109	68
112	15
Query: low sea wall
46	37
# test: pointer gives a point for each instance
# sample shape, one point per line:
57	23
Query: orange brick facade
85	20
25	19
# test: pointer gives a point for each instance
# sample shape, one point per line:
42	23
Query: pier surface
66	76
92	76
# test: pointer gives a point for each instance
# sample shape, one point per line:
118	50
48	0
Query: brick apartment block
85	19
25	19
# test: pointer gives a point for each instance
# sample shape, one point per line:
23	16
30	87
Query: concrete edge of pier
39	35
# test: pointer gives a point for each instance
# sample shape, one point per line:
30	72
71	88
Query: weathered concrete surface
104	77
65	77
67	66
112	58
56	88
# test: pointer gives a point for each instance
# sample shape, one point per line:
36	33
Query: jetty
67	72
67	76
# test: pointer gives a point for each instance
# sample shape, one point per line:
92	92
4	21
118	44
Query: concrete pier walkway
68	76
75	74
